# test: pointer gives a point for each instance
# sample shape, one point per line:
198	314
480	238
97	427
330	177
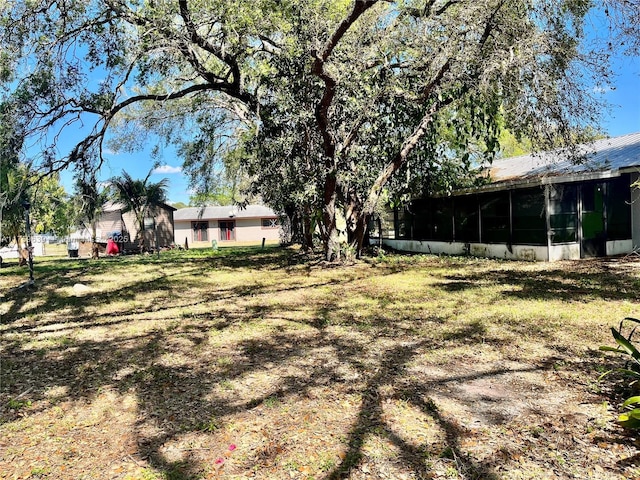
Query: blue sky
624	117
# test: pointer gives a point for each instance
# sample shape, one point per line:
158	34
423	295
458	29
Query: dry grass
398	367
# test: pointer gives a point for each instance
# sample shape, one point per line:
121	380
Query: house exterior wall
246	230
567	251
619	247
109	222
164	226
251	229
182	232
131	228
126	224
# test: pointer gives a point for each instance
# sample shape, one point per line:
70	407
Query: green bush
630	418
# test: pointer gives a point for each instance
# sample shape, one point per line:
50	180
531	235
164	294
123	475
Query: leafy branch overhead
322	107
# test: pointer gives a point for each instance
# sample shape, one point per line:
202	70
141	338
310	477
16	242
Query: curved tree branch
318	69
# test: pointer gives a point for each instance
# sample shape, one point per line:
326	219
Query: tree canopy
324	105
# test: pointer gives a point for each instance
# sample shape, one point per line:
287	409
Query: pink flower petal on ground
232	447
219	461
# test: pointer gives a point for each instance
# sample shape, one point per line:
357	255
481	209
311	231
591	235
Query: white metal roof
606	157
223	212
114	206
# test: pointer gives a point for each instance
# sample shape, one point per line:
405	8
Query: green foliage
18	404
138	196
52	212
510	146
13	176
219	195
630	418
88	202
210	426
13	192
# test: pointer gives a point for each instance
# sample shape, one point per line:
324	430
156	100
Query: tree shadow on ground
371	419
606	279
176	377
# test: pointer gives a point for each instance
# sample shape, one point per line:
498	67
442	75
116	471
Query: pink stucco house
226	224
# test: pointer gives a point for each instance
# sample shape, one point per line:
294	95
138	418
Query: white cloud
602	90
167	169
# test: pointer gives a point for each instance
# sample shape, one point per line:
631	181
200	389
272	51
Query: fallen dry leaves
266	365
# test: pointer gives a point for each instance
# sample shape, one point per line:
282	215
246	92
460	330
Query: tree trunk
332	239
359	231
22	253
329	229
359	211
95	251
140	235
307	230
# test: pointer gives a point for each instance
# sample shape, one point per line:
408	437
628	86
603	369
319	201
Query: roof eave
517	183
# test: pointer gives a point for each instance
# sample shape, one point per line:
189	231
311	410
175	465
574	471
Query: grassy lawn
246	363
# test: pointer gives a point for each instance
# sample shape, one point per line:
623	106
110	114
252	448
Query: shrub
630	418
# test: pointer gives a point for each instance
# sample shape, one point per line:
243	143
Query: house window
495	218
430	219
529	221
227	230
402	221
270	223
618	207
466	219
563	213
200	231
420	221
442	219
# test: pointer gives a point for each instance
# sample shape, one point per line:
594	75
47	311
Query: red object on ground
112	247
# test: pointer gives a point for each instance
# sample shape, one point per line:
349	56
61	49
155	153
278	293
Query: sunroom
537	207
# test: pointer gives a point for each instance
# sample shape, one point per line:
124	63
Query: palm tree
91	201
138	196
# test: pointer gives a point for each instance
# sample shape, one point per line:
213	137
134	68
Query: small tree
14	193
138	196
50	203
13	176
